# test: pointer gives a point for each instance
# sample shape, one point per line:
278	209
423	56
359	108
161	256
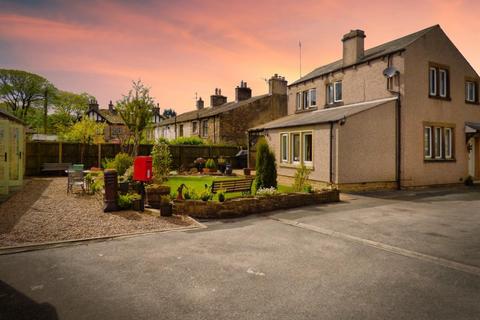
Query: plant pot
154	195
123	187
228	169
138	205
166	210
246	171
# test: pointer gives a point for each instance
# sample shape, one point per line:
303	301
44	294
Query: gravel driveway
42	211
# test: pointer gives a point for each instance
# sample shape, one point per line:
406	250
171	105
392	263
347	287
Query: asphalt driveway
394	255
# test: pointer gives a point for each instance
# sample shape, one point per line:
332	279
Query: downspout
331	152
399	140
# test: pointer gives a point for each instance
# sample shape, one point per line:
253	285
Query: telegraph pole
300	56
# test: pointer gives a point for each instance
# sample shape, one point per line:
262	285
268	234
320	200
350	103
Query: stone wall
249	205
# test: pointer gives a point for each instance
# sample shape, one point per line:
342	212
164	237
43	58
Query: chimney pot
277	85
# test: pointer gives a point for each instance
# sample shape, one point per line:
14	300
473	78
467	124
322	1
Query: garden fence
38	153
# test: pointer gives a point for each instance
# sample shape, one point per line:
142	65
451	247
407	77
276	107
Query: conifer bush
265	167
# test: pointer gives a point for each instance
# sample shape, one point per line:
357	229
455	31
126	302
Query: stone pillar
111	190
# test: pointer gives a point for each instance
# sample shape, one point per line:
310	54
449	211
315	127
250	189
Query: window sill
440	98
306	110
335	104
472	102
439	160
295	165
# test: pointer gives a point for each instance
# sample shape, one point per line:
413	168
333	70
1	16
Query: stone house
402	114
228	122
116	130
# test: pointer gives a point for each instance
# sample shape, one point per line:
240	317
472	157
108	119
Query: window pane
427	142
305	100
433	81
296	147
284	148
438	142
313	97
298	101
330	93
443	83
338	91
470	91
448	143
307	147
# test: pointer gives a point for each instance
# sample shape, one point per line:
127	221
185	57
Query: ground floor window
205	128
296	147
438	142
284	147
180	130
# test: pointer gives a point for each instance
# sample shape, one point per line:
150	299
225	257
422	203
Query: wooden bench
55	167
234	185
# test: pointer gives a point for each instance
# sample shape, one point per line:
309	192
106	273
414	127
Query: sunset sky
185	46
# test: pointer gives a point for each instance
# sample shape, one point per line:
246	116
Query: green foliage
301	178
136	110
124	201
85	132
165	199
162	140
210	164
96	181
68	107
191	141
128	175
122	162
161	160
265	167
169	113
221	195
20	90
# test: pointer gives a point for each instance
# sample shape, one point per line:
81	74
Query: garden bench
54	167
234	185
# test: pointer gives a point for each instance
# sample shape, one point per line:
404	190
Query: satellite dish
390	72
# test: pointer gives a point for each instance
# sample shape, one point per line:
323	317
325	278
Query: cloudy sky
182	47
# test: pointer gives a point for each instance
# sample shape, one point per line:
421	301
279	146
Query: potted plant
123	184
199	164
154	193
211	166
222	164
166	206
137	202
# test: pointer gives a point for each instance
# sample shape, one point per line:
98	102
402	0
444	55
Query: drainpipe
399	140
331	152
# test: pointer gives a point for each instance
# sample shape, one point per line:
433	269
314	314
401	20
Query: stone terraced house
402	114
228	122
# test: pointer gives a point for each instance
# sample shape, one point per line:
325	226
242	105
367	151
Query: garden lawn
197	183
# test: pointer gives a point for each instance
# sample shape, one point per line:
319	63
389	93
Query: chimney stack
200	104
242	92
353	47
93	104
277	85
111	108
217	99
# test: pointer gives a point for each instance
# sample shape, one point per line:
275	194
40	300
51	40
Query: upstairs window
471	91
306	99
438	82
334	92
313	97
298	101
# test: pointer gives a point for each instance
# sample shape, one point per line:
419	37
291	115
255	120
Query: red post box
142	168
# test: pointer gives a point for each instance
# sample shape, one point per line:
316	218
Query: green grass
197	183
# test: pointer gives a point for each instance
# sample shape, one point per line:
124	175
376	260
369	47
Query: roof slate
112	118
322	116
210	111
370	54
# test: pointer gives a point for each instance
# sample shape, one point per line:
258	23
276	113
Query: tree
136	110
265	166
169	113
19	90
162	160
68	108
85	132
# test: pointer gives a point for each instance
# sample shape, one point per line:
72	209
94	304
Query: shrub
265	167
221	196
267	192
121	163
301	178
192	141
210	164
125	201
162	160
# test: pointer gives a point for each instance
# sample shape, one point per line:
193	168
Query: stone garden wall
249	205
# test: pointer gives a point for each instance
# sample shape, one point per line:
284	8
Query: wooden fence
38	153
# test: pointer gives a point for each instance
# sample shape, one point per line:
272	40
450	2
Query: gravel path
42	211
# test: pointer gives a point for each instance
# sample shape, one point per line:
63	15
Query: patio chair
75	178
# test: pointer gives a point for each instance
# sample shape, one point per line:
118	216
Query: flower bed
249	205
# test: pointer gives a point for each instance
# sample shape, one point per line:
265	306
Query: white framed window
284	147
195	127
338	91
443	82
448	143
298	101
427	142
205	128
470	91
329	93
305	98
180	130
438	143
313	97
433	81
307	148
295	147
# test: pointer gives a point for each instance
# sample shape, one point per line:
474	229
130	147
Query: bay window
296	147
284	147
